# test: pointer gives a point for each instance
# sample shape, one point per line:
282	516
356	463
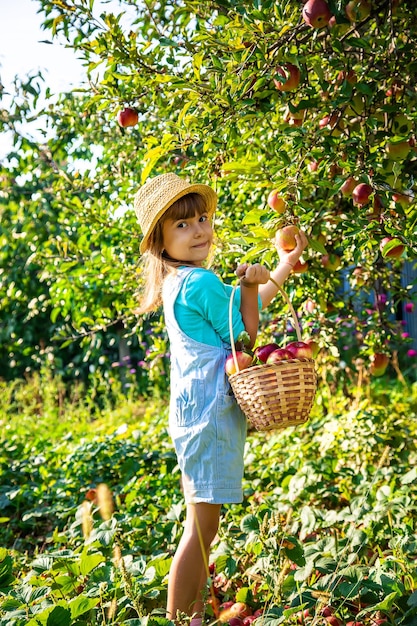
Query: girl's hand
252	275
292	257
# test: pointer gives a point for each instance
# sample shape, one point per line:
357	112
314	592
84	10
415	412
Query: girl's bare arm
251	276
287	260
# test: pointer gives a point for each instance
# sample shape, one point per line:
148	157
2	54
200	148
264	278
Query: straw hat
159	193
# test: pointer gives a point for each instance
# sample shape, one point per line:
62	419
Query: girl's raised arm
251	276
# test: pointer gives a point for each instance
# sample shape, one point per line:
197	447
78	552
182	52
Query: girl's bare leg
188	575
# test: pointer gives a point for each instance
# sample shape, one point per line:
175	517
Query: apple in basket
263	352
244	360
300	349
281	354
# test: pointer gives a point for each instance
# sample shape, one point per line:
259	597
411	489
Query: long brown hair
156	265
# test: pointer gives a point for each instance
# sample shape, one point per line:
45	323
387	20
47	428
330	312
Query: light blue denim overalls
207	427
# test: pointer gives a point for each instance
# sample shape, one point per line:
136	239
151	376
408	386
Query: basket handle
290	306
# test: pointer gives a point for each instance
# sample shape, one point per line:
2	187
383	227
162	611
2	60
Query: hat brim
205	191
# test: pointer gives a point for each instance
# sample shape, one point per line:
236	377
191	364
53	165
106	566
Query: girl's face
188	239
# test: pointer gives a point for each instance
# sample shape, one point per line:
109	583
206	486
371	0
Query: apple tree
316	103
66	253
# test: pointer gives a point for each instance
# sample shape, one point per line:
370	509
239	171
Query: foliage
201	76
92	511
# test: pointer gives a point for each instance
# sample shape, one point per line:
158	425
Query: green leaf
249	523
81	605
294	550
59	616
90	562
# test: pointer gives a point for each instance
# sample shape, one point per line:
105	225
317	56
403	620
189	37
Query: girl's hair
156	265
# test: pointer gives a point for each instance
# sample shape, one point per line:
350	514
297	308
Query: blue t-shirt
202	308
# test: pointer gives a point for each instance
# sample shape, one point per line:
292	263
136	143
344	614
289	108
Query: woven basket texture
278	395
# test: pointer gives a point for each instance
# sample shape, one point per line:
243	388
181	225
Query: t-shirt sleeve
206	294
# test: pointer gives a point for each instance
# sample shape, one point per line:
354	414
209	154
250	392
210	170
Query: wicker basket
278	395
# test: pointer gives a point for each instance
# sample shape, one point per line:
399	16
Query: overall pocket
189	402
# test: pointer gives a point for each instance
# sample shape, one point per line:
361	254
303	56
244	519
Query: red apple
396	89
348	186
333	621
285	238
327	611
310	305
403	199
379	363
391	247
263	352
331	262
276	201
127	117
294	118
281	354
235	621
291	75
300	267
357	10
300	349
361	194
316	13
249	619
347	75
240	609
226	605
313	165
244	360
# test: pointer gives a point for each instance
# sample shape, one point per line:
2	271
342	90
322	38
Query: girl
207	427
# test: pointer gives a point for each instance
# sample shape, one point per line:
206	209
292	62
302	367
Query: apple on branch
361	194
398	149
348	186
358	10
294	117
276	201
300	267
331	262
379	363
290	77
127	117
403	199
316	13
391	247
